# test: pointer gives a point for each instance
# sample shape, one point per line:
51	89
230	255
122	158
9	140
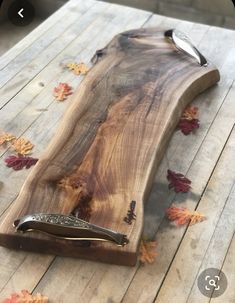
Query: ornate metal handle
68	227
183	43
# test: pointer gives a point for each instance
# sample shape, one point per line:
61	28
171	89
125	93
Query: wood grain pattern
110	143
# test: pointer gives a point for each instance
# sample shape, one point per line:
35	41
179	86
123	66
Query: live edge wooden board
109	144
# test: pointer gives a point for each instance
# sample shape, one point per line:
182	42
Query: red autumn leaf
62	91
187	126
182	215
178	181
19	162
189	120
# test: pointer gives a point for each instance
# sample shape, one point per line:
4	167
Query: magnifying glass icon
212	283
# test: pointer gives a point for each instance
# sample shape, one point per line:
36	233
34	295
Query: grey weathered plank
229	269
44	52
18	63
194	246
42	29
220	242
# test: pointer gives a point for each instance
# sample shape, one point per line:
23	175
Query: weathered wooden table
28	74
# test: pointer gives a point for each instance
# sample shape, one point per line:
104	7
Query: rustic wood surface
207	158
109	144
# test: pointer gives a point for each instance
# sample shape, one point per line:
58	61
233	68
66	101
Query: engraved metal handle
68	227
183	43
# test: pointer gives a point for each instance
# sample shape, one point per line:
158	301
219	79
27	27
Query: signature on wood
130	214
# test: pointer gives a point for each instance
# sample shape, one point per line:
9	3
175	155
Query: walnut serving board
109	145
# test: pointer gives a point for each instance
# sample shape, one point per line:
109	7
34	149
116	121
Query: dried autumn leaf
6	137
19	162
62	91
190	113
22	146
78	68
182	215
147	252
178	181
188	126
189	120
25	297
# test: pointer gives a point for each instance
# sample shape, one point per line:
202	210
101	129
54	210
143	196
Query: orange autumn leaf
78	68
182	215
147	252
25	297
62	91
6	137
190	113
22	146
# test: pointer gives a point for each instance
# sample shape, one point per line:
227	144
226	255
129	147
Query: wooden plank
88	281
19	63
229	270
42	29
31	268
133	121
123	20
33	64
148	279
186	263
218	245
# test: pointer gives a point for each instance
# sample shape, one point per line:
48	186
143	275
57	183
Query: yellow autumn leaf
78	68
22	146
190	113
6	137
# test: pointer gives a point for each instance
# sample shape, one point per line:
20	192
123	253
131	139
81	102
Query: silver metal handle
68	227
183	43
